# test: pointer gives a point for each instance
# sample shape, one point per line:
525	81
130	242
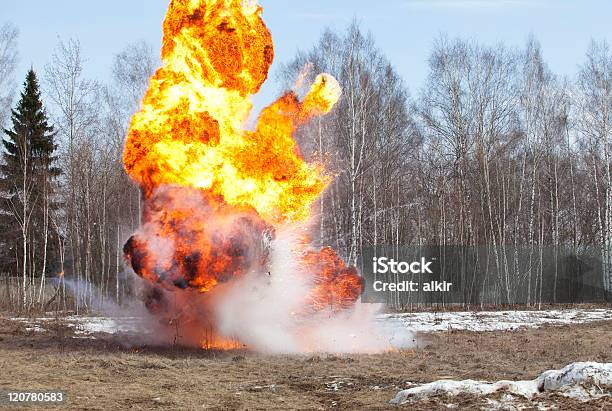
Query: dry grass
102	374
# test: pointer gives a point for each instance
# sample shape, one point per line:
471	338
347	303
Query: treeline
494	150
95	206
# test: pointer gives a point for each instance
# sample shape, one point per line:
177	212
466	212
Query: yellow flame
190	129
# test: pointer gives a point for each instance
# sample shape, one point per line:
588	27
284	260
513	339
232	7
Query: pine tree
27	176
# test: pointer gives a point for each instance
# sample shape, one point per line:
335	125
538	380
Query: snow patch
581	380
85	325
412	322
94	325
492	320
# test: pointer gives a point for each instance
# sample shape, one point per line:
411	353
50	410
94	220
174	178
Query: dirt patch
104	374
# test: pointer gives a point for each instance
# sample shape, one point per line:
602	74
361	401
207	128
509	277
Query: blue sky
404	29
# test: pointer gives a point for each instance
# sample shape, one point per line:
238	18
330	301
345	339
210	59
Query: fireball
214	191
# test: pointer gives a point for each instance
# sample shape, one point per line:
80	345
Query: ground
102	373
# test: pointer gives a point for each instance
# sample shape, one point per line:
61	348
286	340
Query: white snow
84	325
580	380
93	325
35	328
414	322
492	320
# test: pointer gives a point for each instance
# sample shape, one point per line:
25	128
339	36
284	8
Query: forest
495	151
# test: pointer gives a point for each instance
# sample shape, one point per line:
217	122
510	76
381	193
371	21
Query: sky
403	29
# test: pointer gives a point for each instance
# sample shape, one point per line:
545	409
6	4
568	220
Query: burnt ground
102	374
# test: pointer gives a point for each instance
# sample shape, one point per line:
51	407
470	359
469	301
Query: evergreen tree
27	175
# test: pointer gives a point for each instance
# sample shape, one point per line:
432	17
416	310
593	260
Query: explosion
216	196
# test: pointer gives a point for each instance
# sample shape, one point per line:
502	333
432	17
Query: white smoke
146	330
263	310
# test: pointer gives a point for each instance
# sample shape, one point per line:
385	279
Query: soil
103	373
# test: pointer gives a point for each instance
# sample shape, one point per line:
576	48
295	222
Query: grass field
102	373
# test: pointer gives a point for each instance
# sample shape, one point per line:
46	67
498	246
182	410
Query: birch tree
365	141
76	116
8	63
595	125
26	184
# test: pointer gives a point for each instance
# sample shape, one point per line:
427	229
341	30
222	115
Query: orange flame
189	150
190	129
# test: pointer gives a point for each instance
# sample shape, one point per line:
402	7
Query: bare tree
364	141
595	126
76	116
8	63
132	69
468	112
